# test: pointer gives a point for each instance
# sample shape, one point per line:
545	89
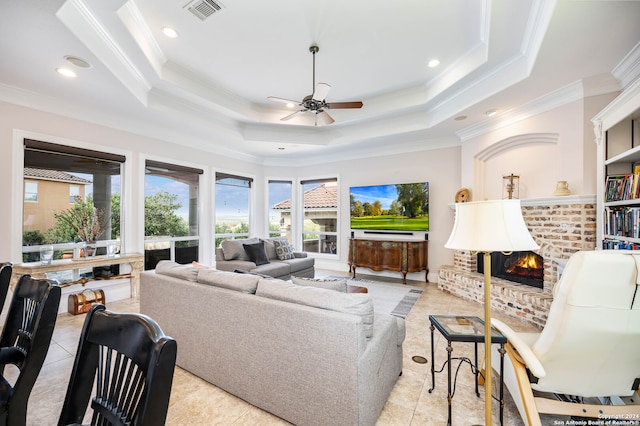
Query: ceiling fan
315	102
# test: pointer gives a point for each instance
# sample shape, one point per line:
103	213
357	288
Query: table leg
502	352
449	397
433	369
476	370
136	269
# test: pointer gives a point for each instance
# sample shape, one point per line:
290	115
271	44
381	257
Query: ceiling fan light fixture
315	103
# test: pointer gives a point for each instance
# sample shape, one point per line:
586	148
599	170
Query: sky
231	201
383	193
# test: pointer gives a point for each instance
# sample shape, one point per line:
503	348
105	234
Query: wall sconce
510	187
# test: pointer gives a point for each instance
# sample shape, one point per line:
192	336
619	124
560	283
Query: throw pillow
337	285
234	250
284	251
256	253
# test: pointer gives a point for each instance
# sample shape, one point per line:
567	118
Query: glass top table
463	328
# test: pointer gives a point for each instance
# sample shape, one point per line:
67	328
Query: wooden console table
380	255
37	270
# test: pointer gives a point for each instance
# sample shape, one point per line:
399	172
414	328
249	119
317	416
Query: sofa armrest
299	254
524	350
219	255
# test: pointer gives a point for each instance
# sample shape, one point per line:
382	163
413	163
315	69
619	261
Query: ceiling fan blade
295	114
344	105
324	118
320	91
283	100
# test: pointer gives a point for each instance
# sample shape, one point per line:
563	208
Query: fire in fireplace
524	267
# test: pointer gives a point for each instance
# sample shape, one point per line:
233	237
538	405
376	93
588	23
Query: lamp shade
487	226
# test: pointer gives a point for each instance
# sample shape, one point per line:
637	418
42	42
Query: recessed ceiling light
491	112
78	62
290	104
169	32
460	118
66	72
433	63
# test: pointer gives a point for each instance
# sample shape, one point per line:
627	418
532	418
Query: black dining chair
24	343
123	370
6	268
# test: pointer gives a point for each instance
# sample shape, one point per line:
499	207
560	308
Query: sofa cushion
233	249
329	284
273	269
350	303
270	248
245	283
284	250
299	264
256	253
176	270
241	271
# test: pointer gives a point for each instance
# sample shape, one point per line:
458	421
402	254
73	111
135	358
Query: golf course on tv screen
398	207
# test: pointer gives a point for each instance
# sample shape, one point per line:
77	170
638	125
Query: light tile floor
196	402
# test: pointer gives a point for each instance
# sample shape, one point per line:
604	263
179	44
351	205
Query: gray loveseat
232	256
309	355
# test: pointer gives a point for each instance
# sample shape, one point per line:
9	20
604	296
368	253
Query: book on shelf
622	221
612	244
623	187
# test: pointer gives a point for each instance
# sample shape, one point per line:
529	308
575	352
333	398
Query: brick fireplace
561	226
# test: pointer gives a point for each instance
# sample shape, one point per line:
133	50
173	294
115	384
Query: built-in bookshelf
617	129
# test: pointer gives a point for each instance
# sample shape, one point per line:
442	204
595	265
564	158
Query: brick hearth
561	226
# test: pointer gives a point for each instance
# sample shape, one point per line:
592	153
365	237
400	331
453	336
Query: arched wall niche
532	156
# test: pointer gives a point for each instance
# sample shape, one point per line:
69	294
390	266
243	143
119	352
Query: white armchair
589	347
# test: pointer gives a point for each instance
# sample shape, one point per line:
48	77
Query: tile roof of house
323	196
53	175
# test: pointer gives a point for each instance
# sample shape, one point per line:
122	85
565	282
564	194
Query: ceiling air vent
205	8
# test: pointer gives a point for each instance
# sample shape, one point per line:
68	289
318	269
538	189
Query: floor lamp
485	227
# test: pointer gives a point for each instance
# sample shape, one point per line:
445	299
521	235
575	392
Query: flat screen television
396	207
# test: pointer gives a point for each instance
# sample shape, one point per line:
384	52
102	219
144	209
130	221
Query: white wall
441	168
542	149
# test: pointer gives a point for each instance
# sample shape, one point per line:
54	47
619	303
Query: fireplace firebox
524	267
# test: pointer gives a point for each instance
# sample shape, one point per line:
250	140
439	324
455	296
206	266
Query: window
31	191
320	216
170	213
74	193
53	173
280	208
232	207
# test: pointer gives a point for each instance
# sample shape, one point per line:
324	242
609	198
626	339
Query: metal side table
460	328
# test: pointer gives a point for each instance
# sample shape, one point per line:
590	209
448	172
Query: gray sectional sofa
232	256
311	356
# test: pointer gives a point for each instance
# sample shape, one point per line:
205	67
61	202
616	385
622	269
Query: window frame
300	208
25	199
219	237
167	170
